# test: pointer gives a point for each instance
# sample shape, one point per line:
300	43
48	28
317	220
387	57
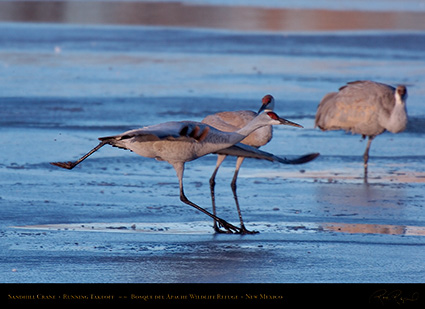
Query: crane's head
276	120
401	94
267	103
267	118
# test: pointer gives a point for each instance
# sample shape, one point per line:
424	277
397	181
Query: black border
205	293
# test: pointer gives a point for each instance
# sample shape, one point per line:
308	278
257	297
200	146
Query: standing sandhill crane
180	142
232	121
364	107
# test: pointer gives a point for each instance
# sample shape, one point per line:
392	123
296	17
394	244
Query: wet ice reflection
204	228
359	228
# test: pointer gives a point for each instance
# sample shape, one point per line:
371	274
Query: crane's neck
256	123
398	118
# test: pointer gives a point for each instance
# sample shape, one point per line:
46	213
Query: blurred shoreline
193	15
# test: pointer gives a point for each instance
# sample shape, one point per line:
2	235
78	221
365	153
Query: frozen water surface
117	217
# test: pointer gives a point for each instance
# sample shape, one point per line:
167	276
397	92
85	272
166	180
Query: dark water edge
397	46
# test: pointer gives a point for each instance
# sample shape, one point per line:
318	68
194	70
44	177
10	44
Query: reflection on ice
346	175
375	229
204	228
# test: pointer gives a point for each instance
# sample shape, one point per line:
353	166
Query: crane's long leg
70	165
179	167
220	159
235	196
366	156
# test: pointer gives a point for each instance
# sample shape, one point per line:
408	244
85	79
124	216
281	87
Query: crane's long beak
283	121
289	123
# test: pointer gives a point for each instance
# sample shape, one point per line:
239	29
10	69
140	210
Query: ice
67	81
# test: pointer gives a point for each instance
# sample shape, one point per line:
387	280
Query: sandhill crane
364	107
180	142
231	121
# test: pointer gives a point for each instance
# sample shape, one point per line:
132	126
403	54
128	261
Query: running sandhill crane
364	107
181	142
232	121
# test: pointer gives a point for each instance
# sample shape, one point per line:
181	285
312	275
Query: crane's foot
68	165
230	228
220	231
245	231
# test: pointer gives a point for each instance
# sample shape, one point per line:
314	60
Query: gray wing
241	150
182	130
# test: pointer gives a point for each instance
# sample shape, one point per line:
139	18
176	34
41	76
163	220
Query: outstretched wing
246	151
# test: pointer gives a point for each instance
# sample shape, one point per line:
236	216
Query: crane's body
231	121
174	141
364	107
180	142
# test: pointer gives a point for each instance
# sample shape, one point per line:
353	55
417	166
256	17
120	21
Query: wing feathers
251	152
188	130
